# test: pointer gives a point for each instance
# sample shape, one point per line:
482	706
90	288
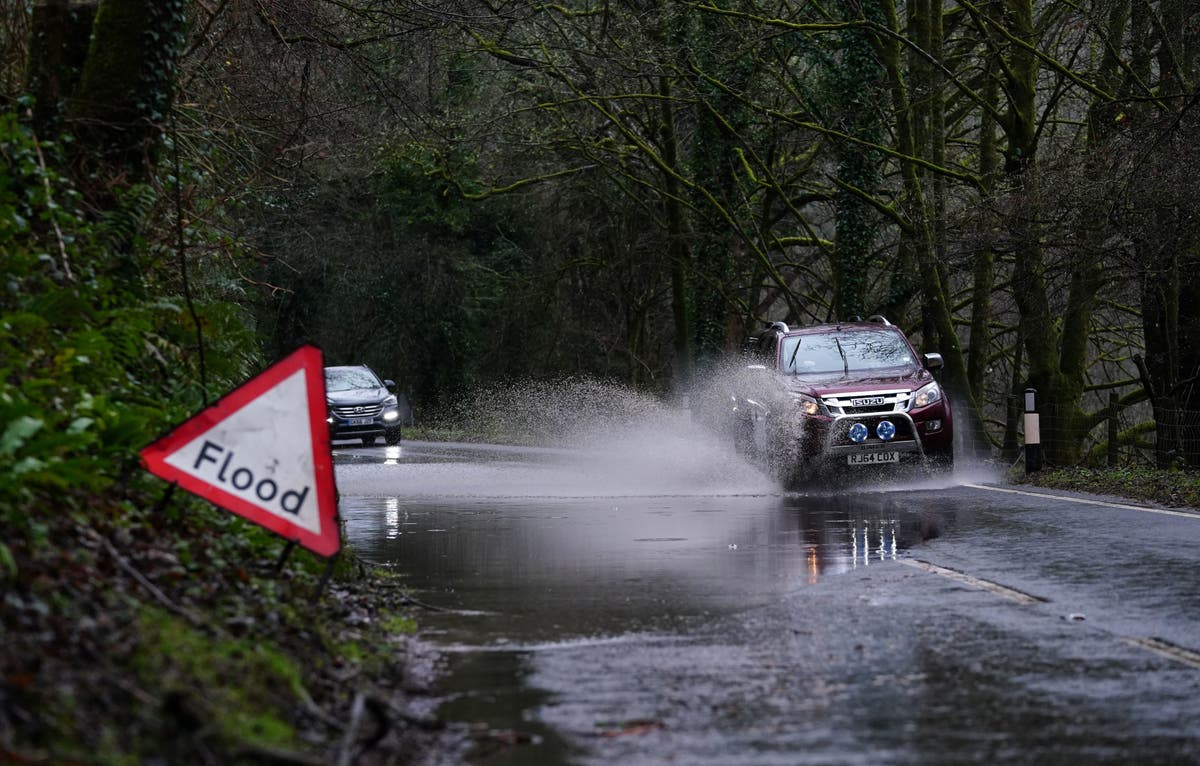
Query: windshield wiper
845	364
792	361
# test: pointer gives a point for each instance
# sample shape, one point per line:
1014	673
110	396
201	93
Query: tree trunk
718	118
920	236
855	84
677	245
61	33
1057	357
125	87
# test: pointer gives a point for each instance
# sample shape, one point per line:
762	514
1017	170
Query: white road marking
1085	501
1158	646
1166	649
975	582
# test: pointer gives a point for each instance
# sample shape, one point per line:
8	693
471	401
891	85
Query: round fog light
858	433
885	430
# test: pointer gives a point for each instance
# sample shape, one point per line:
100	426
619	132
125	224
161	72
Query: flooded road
643	608
557	566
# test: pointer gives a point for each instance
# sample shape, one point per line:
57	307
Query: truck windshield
844	352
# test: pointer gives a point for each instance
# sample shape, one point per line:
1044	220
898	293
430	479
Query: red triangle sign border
327	540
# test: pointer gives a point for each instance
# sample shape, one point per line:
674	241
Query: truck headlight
927	395
807	404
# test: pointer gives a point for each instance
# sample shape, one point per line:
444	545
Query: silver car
361	406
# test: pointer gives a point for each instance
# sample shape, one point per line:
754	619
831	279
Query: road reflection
687	613
569	587
555	567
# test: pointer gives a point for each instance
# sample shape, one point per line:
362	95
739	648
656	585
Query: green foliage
416	185
1176	488
173	655
92	364
8	565
398	624
420	304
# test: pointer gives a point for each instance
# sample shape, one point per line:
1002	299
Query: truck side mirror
933	361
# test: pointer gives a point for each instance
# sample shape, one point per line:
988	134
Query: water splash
581	438
571	412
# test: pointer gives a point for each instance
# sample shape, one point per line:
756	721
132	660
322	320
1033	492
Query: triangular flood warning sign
262	452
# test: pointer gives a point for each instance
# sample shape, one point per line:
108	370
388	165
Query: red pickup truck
849	396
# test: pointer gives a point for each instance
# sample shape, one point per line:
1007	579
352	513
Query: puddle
635	537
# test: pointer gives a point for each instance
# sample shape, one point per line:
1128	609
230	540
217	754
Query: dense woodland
472	191
520	190
463	192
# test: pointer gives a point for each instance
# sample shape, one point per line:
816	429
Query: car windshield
844	352
349	378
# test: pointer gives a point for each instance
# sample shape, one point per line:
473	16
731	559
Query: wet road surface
640	607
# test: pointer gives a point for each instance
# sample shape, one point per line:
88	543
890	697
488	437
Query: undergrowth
1177	488
137	629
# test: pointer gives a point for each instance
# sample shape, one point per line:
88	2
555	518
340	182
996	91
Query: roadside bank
1172	488
180	635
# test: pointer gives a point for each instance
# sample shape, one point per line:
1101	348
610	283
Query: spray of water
575	437
568	413
580	437
607	439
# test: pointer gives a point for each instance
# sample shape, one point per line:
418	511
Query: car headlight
390	413
807	404
927	395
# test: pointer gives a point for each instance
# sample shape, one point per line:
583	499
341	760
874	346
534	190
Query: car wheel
743	437
941	462
792	477
783	457
392	436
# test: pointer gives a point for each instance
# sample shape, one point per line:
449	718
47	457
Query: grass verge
1174	488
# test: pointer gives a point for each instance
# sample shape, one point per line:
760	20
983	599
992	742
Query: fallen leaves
631	728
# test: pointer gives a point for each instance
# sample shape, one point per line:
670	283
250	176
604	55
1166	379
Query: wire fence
1139	435
1165	437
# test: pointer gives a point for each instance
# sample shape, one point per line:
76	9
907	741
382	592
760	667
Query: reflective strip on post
1033	433
1033	436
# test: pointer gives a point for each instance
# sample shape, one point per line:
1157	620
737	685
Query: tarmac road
629	609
